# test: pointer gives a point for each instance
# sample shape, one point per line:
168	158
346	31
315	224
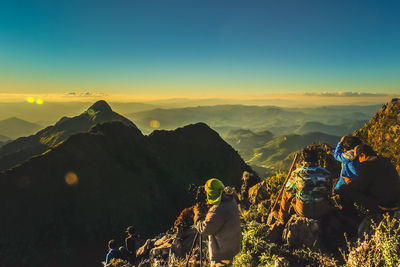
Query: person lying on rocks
344	153
221	224
307	190
377	187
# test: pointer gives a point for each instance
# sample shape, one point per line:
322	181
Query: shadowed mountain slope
122	178
25	147
15	127
382	132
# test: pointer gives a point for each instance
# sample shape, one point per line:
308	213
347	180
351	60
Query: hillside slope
86	190
277	154
382	132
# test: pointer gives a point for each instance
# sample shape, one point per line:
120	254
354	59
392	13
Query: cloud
84	94
345	94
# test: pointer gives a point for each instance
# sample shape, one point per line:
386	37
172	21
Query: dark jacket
130	245
222	225
378	183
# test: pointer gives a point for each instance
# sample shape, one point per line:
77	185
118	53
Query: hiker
130	244
377	187
344	153
113	252
307	189
221	224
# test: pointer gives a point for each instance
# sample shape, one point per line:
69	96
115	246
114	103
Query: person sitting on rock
307	189
221	224
344	153
113	251
377	187
130	244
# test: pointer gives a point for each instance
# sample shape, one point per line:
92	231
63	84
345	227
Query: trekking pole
201	260
284	183
191	249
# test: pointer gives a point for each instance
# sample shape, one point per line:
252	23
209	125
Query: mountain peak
101	105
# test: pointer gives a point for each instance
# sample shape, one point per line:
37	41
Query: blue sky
188	47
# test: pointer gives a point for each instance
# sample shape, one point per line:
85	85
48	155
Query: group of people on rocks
369	180
366	179
126	253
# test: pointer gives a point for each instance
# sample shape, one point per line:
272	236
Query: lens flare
39	101
71	178
30	100
155	124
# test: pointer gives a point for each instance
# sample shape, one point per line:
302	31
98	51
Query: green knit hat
214	189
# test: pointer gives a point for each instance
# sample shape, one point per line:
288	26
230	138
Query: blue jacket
349	164
112	254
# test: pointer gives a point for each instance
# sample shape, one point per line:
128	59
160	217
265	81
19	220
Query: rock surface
301	231
382	132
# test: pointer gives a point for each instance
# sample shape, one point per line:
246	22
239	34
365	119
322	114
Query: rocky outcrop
382	132
258	193
301	231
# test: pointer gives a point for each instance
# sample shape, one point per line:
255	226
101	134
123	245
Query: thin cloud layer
84	94
345	94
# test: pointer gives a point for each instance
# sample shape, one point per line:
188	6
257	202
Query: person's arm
212	223
108	258
338	152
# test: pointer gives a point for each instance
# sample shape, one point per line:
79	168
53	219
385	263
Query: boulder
144	250
162	247
301	231
258	193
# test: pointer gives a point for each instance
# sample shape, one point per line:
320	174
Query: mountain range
24	148
334	120
14	127
62	206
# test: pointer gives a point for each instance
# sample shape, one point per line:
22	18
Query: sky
153	49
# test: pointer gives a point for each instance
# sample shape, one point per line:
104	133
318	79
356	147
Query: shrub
256	251
382	248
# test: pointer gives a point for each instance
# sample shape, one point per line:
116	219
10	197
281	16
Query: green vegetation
382	132
379	249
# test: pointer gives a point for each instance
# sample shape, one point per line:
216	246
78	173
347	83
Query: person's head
246	176
350	142
309	155
363	152
214	189
112	244
130	230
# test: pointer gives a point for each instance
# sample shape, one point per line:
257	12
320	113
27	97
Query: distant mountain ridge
119	177
338	130
25	147
277	120
14	127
